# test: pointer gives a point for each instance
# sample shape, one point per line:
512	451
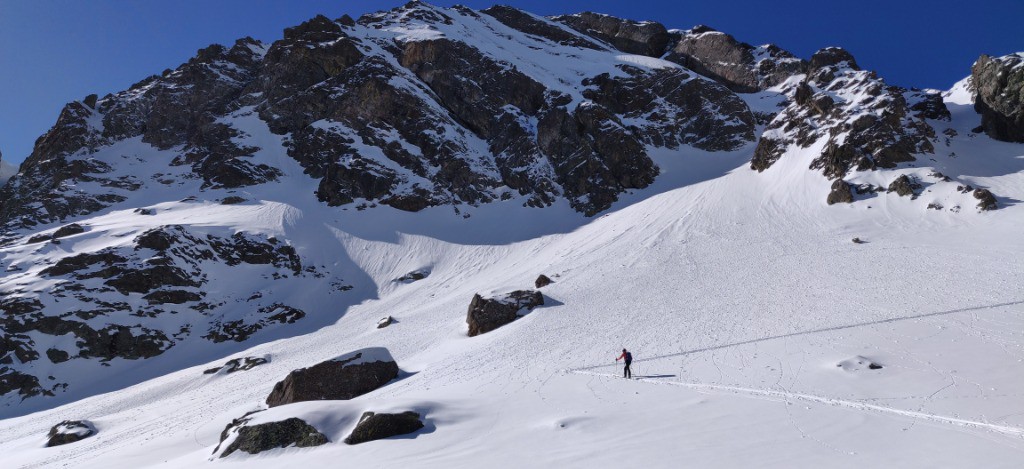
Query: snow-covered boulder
342	378
70	431
488	314
374	426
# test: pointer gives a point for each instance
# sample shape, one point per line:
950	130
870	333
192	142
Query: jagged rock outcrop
69	431
488	314
635	37
93	298
999	95
903	186
255	439
348	376
738	65
375	426
238	364
864	123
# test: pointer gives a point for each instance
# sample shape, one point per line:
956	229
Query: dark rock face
343	378
529	24
635	37
240	330
738	65
999	86
255	439
165	268
831	57
488	314
451	124
69	431
68	230
542	281
238	364
841	193
679	109
830	106
986	201
903	186
373	426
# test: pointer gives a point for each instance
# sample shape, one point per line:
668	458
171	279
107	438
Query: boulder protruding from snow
255	439
70	431
542	281
841	193
385	322
414	276
238	364
342	378
903	186
488	314
373	426
986	201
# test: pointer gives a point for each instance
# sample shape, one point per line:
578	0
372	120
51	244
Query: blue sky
56	51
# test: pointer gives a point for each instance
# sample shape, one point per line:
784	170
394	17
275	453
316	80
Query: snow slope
739	294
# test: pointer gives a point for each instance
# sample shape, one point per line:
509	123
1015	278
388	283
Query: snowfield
751	316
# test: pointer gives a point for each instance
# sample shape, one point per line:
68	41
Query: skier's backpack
629	357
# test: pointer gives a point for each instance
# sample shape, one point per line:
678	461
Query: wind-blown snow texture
141	249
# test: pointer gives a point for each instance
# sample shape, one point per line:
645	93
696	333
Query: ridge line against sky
57	51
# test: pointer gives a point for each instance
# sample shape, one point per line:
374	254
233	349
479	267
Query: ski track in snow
783	395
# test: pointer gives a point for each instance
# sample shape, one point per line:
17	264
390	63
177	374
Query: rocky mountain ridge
413	108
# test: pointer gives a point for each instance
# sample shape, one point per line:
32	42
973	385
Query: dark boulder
157	239
542	281
70	431
841	193
986	201
342	378
488	314
385	322
414	276
903	186
68	230
373	426
57	355
999	86
255	439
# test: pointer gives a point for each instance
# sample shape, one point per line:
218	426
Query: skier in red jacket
628	357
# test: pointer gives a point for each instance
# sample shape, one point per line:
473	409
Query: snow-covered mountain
691	197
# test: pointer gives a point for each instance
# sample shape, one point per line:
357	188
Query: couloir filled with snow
751	316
